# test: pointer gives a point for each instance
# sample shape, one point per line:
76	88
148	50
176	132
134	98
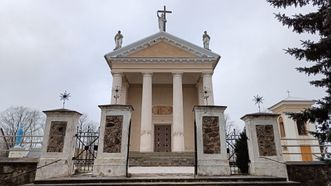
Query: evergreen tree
241	151
316	55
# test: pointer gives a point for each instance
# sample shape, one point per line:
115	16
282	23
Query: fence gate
86	148
231	138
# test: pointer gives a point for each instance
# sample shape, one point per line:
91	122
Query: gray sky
47	47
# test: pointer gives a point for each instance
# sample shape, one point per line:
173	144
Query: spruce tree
315	54
241	151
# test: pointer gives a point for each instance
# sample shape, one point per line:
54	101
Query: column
208	89
116	88
58	144
178	118
264	146
113	141
146	137
212	158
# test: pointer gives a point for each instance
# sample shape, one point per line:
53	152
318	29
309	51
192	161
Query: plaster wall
162	49
292	137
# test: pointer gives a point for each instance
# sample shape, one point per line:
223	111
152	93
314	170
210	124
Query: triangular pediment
162	44
162	49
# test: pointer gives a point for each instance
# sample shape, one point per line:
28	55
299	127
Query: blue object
19	136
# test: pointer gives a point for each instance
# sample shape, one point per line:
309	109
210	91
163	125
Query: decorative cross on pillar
162	18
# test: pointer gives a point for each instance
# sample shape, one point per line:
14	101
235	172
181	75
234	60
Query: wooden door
306	153
162	138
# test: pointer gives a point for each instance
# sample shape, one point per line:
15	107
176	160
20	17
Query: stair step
159	180
282	183
161	159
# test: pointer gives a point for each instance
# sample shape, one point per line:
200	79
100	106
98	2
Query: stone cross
163	14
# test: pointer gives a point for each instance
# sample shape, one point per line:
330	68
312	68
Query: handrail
272	160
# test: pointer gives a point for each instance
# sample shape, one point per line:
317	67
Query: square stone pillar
58	144
210	141
264	147
113	141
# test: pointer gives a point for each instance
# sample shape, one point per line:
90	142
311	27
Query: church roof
156	38
292	101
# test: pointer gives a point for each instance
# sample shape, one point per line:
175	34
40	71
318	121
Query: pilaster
207	86
116	88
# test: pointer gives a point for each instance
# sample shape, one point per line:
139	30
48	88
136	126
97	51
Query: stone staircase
220	180
156	159
154	164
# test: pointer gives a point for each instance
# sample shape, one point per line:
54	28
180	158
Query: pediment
162	49
162	44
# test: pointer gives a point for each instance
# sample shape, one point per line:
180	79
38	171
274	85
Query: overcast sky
47	47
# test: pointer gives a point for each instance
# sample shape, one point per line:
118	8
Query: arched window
281	127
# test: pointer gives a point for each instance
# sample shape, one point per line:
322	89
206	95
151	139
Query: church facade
163	77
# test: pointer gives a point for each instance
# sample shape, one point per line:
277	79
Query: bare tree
87	125
230	127
31	121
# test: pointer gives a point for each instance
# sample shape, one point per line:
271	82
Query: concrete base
17	152
53	168
109	167
213	167
268	168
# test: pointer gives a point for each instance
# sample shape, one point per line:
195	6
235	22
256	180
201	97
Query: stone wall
266	140
12	169
211	135
310	173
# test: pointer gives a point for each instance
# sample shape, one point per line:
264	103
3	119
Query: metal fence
231	138
305	149
31	144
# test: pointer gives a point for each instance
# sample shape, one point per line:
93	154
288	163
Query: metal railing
29	143
305	149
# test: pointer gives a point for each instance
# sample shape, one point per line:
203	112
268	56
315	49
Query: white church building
163	77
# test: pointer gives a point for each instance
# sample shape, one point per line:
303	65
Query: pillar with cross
162	18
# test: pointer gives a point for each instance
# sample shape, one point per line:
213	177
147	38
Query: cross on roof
163	17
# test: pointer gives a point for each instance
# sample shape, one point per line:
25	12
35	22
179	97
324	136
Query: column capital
207	73
147	73
117	73
177	73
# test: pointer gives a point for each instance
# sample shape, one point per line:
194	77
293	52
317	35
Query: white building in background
298	144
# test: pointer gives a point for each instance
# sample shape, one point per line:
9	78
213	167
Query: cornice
162	60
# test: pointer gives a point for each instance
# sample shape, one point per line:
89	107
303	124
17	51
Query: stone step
159	180
161	159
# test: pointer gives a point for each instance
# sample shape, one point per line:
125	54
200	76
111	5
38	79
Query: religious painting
162	110
113	134
56	136
211	135
266	140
